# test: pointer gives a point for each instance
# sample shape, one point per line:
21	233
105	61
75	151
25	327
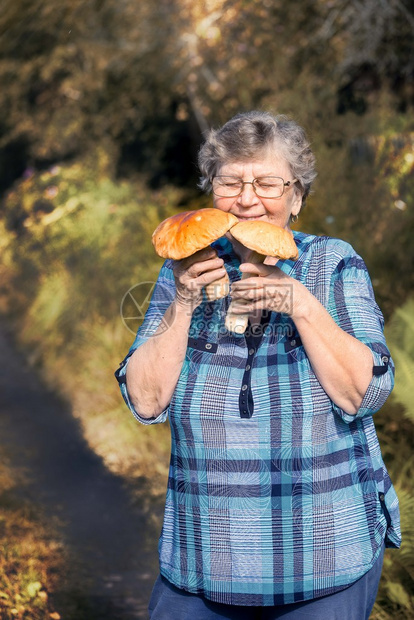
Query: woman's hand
267	288
192	274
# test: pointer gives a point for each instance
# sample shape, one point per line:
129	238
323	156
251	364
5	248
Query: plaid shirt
275	494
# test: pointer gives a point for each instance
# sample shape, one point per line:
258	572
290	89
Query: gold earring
294	218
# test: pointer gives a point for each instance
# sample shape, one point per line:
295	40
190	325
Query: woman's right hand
193	273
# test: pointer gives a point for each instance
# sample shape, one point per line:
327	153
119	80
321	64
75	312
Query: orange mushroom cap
266	238
183	234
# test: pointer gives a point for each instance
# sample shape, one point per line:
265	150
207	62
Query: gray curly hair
247	135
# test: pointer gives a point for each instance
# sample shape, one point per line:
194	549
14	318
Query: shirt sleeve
352	305
162	297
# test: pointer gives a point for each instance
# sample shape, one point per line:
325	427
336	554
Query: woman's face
248	206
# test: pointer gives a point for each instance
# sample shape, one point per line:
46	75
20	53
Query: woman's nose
247	196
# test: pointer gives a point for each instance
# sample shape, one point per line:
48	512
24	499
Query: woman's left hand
266	287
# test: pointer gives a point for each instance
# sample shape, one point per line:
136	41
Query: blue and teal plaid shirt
275	494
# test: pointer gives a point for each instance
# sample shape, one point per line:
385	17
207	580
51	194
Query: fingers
193	273
260	269
262	286
198	257
203	264
272	291
255	269
256	275
246	299
273	298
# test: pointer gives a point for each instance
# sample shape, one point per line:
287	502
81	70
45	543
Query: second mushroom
264	239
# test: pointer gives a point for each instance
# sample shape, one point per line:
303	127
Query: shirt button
244	387
293	342
208	346
251	351
248	367
382	497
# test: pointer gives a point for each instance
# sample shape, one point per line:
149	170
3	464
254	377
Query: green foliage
80	235
87	72
140	82
401	338
367	193
395	598
395	427
147	78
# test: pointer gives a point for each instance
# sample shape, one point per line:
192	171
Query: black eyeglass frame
252	183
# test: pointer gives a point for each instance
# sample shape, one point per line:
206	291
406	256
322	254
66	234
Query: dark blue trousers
354	603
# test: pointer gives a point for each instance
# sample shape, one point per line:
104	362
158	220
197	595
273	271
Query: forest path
110	538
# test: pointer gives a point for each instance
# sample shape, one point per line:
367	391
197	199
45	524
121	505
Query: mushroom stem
218	289
237	323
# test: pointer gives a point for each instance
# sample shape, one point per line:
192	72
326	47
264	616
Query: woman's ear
296	202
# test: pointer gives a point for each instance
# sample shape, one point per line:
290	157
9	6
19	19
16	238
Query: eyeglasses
264	187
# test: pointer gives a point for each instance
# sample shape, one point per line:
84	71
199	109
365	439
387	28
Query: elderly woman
278	502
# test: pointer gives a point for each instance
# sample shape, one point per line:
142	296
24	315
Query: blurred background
104	104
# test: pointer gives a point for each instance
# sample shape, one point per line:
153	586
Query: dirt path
113	544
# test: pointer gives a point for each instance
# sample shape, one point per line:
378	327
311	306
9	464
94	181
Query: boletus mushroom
264	239
183	234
